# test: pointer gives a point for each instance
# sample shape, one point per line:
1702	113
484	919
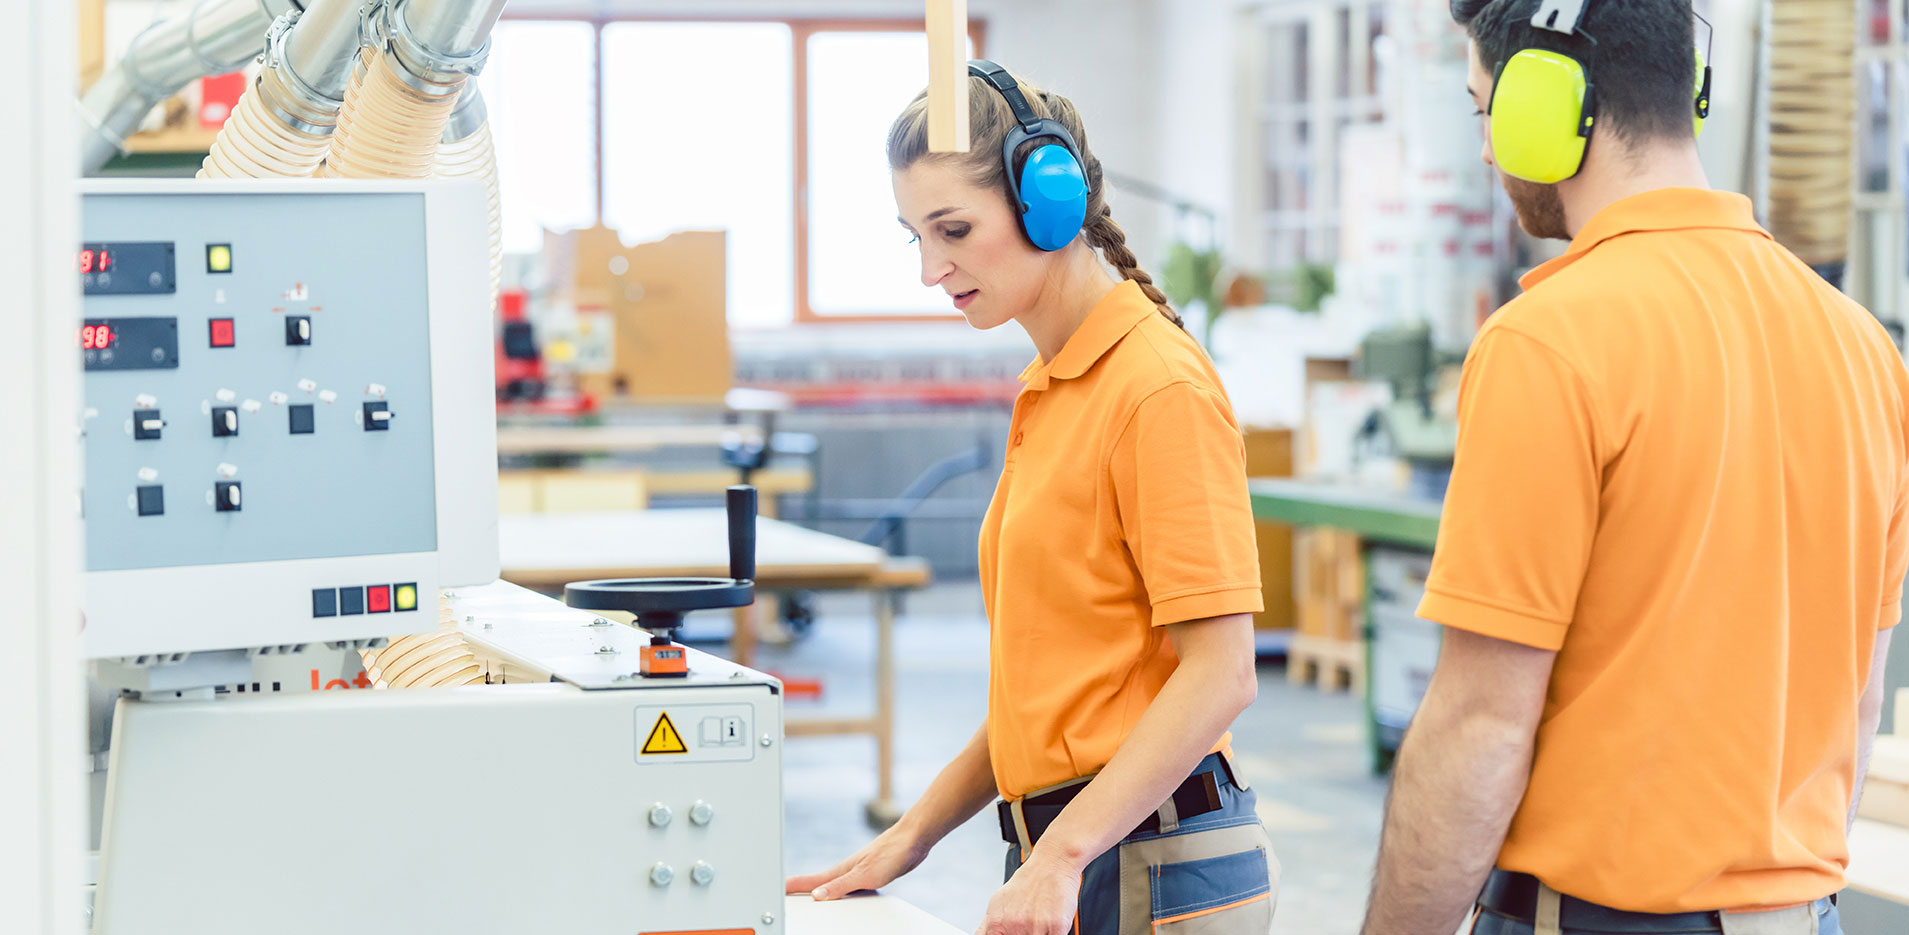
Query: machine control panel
293	456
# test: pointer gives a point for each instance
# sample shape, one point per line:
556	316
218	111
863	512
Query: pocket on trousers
1227	895
1223	881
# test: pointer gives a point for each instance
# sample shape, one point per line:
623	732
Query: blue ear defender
1051	186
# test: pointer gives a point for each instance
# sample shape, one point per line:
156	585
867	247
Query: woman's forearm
962	788
1213	684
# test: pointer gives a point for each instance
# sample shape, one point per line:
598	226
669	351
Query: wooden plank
1879	860
553	548
618	438
947	76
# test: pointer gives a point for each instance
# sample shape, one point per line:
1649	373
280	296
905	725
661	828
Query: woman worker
1117	558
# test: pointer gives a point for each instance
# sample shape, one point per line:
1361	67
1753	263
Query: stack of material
1812	126
1886	792
1877	899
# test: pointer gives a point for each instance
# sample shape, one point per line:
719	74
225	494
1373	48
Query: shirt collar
1113	316
1662	209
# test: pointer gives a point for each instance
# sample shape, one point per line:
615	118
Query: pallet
1333	665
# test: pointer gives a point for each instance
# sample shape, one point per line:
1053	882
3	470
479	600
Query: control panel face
257	379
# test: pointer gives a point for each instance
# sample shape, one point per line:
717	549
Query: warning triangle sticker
664	738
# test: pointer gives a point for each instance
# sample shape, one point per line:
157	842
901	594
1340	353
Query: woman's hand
893	853
1042	899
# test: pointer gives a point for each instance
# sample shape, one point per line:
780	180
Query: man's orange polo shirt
1121	508
1681	464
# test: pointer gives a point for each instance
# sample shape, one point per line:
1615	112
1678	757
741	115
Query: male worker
1675	534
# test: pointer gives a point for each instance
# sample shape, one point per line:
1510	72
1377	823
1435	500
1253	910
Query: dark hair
1643	61
989	119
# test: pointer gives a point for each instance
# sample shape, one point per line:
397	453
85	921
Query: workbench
1397	533
548	550
861	915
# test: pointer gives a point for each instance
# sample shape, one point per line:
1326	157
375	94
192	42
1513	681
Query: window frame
800	30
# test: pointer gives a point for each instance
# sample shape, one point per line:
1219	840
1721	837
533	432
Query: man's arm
1868	717
1460	776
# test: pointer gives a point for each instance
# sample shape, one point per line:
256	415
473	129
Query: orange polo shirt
1121	508
1681	464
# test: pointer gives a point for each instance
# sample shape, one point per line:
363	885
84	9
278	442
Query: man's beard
1540	210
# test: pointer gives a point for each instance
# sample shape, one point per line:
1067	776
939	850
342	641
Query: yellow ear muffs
1703	95
1541	113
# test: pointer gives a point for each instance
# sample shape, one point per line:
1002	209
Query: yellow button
218	258
406	597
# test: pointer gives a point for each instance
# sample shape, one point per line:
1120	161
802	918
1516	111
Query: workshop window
773	131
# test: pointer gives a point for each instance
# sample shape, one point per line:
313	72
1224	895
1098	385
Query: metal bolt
702	812
738	675
606	650
702	873
768	918
660	815
662	875
768	741
599	622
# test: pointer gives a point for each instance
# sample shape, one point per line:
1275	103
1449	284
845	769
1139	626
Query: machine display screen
143	268
130	343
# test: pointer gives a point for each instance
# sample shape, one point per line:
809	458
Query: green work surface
1375	516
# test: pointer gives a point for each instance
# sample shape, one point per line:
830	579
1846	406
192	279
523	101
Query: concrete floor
1302	749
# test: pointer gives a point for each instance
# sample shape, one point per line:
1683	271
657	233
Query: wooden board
583	439
1879	860
1269	453
550	549
669	302
1886	789
947	76
861	915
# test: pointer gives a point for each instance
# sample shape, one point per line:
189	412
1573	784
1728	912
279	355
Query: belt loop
1169	816
1232	772
1020	827
1549	905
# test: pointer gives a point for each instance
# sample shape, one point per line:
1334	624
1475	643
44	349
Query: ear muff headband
1542	109
1050	187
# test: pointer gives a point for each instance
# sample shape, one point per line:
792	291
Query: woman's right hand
893	853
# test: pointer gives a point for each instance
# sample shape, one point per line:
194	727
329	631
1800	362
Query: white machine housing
507	808
327	250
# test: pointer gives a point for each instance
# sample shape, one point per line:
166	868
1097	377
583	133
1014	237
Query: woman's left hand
1042	899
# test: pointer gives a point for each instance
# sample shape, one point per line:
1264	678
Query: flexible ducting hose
473	157
257	143
388	129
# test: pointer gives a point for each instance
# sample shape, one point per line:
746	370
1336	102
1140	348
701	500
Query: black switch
302	419
378	416
152	500
226	496
324	602
225	420
298	329
351	601
147	424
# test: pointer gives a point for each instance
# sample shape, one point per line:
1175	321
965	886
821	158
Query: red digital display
96	261
96	337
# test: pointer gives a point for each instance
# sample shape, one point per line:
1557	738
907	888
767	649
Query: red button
378	599
222	332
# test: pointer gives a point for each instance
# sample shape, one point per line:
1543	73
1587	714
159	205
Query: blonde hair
989	120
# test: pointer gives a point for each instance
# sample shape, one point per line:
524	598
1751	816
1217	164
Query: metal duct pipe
216	37
282	127
450	27
321	47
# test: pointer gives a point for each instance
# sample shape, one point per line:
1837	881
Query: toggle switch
226	497
378	416
147	425
225	421
298	330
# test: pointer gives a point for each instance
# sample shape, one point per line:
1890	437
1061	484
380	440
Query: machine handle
742	532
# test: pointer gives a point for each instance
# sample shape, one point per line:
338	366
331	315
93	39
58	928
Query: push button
225	421
147	426
222	333
324	602
303	421
298	330
226	497
378	599
404	597
151	499
351	601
